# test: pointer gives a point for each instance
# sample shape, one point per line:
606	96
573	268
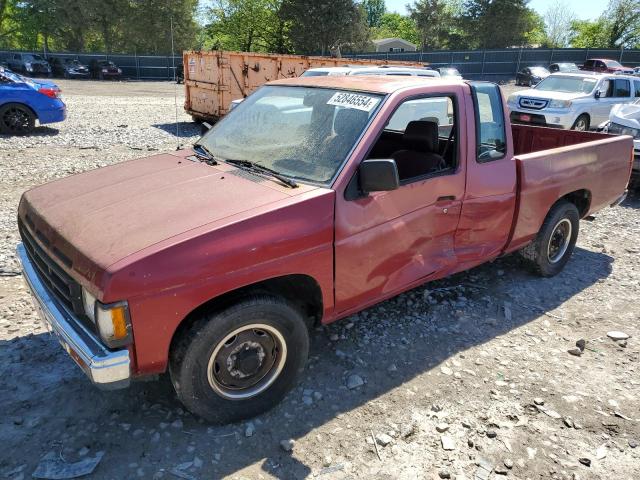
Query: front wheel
16	119
554	244
581	124
241	361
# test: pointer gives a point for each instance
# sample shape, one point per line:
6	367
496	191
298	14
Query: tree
322	25
624	20
433	21
394	25
557	25
243	25
375	10
618	27
496	23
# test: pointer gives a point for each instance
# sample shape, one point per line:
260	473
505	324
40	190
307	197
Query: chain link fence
502	65
494	65
137	67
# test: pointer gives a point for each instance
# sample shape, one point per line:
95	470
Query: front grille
67	290
533	103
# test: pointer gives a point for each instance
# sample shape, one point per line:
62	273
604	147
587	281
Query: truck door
490	196
386	242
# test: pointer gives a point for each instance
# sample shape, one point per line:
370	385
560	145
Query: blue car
24	100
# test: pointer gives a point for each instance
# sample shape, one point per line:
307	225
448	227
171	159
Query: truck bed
553	163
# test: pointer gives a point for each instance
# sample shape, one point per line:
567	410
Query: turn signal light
113	323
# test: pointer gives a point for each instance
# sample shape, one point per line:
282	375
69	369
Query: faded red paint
168	234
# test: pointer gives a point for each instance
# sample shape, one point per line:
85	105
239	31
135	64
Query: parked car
104	70
575	101
604	65
449	72
531	76
29	64
73	68
24	101
397	71
327	72
563	67
233	251
636	71
624	119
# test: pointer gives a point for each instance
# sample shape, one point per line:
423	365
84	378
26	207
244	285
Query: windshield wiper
205	154
259	169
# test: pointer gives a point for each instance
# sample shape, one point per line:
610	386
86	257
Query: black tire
582	120
16	119
207	374
548	252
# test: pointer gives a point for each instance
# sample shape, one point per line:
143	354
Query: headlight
618	129
89	302
113	323
513	98
27	65
104	70
119	70
560	104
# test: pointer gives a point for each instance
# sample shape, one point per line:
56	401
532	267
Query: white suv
575	101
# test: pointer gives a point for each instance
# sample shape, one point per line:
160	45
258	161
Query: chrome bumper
108	369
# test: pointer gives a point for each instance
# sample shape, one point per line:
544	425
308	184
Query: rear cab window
490	126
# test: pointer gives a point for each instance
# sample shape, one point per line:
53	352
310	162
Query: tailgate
601	167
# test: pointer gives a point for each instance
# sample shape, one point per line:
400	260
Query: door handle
446	198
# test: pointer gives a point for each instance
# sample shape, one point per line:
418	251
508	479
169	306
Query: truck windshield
300	132
567	84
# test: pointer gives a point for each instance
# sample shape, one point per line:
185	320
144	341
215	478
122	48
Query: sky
583	9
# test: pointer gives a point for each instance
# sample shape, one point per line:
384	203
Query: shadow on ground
46	399
181	129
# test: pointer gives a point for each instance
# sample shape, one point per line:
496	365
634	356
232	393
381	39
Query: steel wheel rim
16	120
247	361
559	240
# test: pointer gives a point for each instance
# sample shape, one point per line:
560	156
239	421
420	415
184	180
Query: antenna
175	87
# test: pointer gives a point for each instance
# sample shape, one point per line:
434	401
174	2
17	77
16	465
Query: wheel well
581	199
301	290
584	114
35	115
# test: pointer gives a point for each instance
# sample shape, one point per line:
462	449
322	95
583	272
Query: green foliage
394	25
434	22
497	23
587	34
618	26
98	25
375	10
323	26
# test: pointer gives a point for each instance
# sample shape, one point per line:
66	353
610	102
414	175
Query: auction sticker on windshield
353	100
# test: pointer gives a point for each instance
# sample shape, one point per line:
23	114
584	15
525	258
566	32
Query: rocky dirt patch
471	377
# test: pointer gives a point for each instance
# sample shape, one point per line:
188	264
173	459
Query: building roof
382	41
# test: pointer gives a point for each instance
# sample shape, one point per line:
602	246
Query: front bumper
543	118
108	369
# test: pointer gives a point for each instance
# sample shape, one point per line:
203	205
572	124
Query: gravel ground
469	377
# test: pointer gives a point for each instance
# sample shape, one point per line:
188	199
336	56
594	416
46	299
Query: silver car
575	101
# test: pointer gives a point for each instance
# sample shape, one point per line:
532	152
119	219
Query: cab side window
421	137
621	88
636	86
490	128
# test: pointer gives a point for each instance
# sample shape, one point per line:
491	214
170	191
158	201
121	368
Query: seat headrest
349	120
421	136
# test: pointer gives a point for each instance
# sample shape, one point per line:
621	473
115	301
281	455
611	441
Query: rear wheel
241	361
554	244
581	124
16	119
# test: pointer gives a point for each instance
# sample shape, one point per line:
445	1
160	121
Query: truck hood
550	95
100	217
627	114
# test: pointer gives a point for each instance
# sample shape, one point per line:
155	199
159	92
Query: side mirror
379	175
598	94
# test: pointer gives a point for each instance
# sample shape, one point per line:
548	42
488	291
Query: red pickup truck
315	198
